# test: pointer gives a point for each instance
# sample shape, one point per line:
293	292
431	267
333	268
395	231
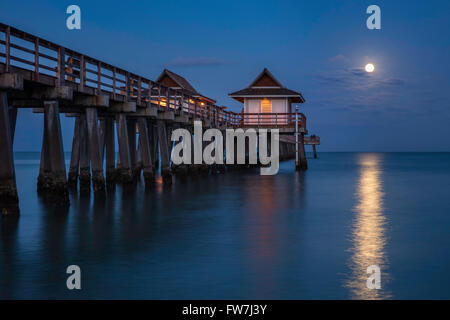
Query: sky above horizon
316	47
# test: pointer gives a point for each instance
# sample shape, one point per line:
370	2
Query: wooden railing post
150	88
61	66
168	98
8	48
139	90
127	85
36	59
195	108
114	83
99	77
159	95
82	72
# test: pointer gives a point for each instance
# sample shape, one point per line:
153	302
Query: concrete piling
124	170
75	155
110	145
85	167
9	201
58	184
146	155
98	179
166	172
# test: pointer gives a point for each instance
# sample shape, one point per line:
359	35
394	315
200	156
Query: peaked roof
266	85
265	79
179	80
175	80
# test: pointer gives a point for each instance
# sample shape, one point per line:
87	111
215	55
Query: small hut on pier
266	101
175	81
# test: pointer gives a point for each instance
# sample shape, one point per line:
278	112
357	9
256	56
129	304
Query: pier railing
62	66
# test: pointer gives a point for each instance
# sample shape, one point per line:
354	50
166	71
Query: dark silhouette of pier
106	101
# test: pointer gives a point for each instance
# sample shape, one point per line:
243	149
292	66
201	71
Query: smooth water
240	235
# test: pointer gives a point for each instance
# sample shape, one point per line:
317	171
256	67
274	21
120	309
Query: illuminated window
266	106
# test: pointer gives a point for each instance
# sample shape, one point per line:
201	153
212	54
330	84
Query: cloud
196	62
392	82
355	79
338	58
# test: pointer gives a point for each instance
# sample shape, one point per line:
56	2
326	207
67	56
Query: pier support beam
12	119
102	129
146	156
85	168
301	163
9	201
110	145
98	179
58	182
75	155
314	151
131	127
124	170
164	150
44	177
153	140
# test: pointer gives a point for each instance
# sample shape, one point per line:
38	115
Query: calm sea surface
240	235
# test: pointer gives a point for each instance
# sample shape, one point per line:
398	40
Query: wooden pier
105	101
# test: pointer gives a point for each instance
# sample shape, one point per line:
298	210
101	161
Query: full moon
370	67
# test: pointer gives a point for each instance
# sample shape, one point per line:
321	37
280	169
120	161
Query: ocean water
239	235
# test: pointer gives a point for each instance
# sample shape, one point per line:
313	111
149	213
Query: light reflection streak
368	231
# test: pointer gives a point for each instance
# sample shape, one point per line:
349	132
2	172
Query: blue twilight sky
316	47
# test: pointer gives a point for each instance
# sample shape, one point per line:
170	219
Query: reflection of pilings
9	255
9	201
